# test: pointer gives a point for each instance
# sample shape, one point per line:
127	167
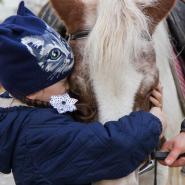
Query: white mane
119	28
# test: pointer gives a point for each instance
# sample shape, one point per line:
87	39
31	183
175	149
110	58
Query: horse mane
124	27
121	29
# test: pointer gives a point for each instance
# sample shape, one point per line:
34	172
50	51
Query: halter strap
79	35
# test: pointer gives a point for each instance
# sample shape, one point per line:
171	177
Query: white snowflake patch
63	103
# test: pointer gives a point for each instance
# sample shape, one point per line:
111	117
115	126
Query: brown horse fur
159	12
72	12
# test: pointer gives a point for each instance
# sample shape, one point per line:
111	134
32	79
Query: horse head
116	64
121	33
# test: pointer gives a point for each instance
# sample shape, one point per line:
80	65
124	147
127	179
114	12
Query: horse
122	59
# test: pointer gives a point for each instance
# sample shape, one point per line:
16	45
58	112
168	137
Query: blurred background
8	8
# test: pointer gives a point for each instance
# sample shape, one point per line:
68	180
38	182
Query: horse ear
158	12
71	12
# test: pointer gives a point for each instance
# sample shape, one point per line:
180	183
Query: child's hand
156	97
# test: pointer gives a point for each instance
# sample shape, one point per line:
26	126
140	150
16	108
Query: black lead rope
155	164
155	173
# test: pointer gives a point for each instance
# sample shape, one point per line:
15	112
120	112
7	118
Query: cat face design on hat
39	56
52	52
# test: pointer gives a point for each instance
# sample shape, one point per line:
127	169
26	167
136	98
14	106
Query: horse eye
55	54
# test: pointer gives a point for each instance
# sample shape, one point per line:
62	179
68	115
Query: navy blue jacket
43	147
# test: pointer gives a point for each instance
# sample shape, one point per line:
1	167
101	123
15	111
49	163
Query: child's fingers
155	102
159	87
157	95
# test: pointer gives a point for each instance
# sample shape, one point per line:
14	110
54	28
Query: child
42	146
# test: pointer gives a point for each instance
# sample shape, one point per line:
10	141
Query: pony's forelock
122	30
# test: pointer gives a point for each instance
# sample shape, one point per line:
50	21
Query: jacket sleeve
80	153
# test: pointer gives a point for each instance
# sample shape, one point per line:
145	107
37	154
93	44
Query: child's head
33	57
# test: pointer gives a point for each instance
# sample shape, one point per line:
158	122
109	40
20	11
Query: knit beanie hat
32	55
